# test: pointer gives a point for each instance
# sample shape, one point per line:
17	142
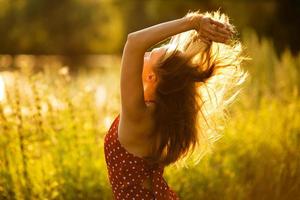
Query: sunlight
2	89
107	122
100	95
56	103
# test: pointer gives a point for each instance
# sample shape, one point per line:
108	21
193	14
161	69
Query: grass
52	127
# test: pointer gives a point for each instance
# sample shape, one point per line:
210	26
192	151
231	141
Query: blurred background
59	93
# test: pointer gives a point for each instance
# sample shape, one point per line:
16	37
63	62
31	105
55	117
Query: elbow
132	38
135	41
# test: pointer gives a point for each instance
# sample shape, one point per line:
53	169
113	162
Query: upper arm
131	84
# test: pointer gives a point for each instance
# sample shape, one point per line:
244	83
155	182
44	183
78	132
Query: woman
166	107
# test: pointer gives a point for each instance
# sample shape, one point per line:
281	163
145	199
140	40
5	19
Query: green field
52	127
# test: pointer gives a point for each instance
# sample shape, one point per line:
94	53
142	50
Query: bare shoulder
131	129
135	135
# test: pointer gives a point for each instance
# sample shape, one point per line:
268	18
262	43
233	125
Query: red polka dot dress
127	172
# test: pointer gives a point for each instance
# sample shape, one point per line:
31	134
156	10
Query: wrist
194	21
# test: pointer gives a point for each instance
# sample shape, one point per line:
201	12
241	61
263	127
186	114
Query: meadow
52	125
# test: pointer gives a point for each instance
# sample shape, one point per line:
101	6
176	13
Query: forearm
145	38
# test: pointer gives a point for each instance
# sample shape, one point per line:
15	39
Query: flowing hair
196	82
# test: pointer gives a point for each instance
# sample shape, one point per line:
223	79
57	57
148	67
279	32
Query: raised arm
132	93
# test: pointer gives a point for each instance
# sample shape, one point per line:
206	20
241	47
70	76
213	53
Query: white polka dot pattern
127	172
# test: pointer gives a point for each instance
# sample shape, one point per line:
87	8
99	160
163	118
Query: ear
151	77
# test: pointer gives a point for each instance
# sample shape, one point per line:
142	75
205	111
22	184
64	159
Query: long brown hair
193	79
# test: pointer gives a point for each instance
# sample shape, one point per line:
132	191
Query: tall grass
52	127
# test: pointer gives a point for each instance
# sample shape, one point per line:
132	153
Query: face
149	77
150	62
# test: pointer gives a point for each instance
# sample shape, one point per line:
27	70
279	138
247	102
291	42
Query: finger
208	35
219	24
204	34
218	32
208	31
205	40
230	28
226	28
217	39
212	36
227	42
215	34
223	30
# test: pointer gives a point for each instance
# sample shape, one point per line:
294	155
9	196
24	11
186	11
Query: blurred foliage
75	27
52	127
65	27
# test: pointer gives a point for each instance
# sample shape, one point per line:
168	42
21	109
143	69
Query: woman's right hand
211	30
